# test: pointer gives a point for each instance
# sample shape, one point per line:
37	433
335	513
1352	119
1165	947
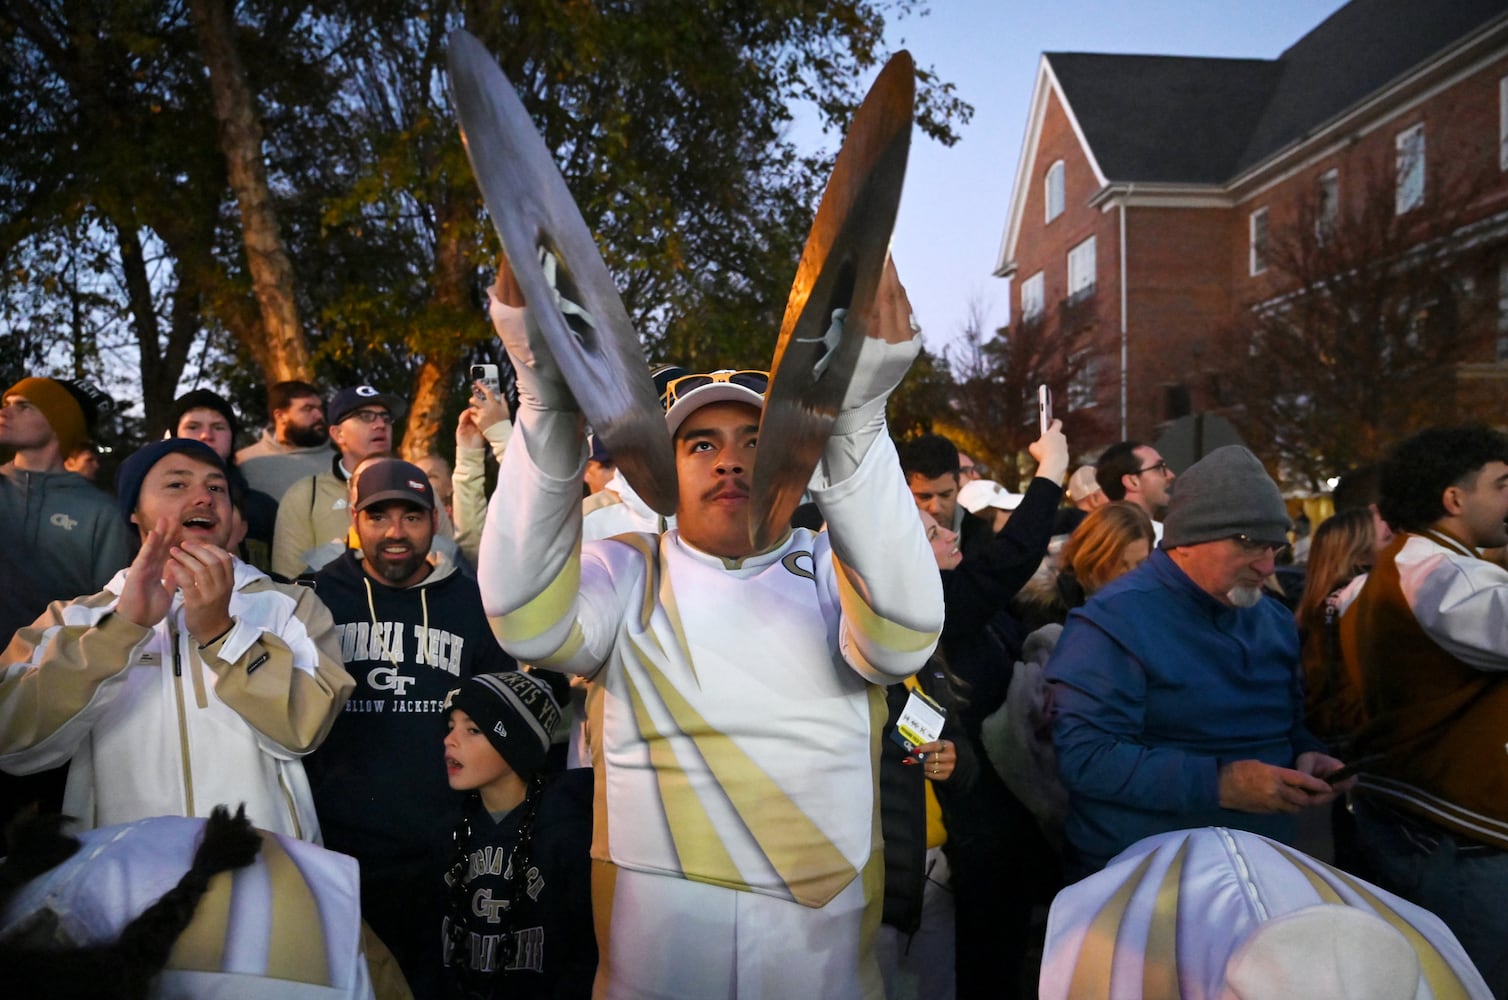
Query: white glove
541	385
549	417
884	358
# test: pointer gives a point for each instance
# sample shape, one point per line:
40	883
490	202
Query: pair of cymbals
603	362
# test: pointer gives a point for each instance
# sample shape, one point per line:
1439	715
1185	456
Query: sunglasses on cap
756	381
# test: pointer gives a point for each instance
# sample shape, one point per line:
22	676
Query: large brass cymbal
840	269
602	362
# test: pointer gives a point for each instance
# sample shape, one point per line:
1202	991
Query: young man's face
85	462
1154	482
301	423
395	539
207	425
364	432
471	761
937	496
714	461
1485	505
597	474
192	495
944	542
22	425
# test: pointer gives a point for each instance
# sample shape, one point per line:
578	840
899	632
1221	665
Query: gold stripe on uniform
867	622
201	946
810	865
574	640
1091	971
1159	971
553	603
698	846
648	549
296	949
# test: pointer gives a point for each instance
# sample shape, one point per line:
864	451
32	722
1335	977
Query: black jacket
379	778
550	915
903	800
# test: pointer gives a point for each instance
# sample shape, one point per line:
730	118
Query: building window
1503	123
1409	146
1081	271
1502	345
1084	383
1327	212
1031	297
1258	227
1054	193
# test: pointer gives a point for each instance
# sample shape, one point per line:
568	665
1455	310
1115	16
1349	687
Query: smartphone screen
487	375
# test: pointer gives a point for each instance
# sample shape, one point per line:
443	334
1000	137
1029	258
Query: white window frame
1081	388
1327	212
1257	240
1503	123
1409	150
1053	195
1032	298
1081	270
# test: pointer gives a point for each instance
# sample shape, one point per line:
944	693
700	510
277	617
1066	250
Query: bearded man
1179	694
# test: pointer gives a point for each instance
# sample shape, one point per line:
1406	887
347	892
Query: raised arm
887	581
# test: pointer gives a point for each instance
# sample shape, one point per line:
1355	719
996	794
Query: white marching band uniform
1218	914
735	724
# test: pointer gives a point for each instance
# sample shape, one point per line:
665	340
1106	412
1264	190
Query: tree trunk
283	350
450	297
431	393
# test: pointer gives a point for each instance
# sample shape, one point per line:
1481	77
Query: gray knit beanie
1225	493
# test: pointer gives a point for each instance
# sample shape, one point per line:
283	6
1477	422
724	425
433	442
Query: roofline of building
1047	84
1478	48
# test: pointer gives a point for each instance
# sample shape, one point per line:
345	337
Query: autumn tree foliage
123	228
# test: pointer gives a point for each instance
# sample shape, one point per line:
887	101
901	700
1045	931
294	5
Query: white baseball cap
981	493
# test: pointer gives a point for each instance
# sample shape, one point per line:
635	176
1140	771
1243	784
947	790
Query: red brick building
1149	188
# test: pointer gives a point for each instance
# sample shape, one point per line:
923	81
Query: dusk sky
954	205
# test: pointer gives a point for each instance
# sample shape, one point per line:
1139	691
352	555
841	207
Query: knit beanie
204	399
517	712
60	406
133	471
1224	494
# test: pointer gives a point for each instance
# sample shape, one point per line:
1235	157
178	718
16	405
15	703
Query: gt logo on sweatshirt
61	520
386	678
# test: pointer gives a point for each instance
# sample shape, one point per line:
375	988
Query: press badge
921	721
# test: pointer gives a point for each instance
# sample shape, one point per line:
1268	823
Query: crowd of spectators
313	627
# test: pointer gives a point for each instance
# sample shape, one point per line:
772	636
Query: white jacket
152	725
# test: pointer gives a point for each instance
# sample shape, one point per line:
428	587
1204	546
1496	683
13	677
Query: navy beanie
516	711
134	469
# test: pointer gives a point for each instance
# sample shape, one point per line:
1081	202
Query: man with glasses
315	510
1133	471
1178	686
739	695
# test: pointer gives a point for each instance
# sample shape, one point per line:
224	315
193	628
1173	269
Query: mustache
736	484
